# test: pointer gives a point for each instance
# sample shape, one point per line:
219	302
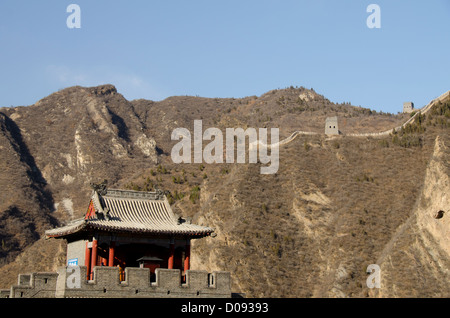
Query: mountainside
25	202
335	205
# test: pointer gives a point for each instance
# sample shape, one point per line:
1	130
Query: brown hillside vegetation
335	205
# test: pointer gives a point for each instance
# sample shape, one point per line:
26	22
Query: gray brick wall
70	282
76	250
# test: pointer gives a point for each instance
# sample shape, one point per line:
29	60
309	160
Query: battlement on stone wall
71	282
34	285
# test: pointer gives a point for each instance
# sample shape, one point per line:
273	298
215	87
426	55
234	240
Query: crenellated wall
70	282
34	285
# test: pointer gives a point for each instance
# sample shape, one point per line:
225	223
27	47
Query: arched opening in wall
439	214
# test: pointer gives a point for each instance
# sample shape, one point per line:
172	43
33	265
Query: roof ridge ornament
100	188
160	194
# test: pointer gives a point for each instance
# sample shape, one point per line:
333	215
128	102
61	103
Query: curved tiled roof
131	212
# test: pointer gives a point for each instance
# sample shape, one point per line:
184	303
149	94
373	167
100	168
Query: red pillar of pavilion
87	260
187	255
171	254
112	246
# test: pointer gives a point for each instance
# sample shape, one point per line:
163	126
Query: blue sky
156	49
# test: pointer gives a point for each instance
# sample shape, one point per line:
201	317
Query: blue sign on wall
72	262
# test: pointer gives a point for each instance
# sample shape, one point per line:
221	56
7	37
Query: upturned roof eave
86	226
72	228
130	212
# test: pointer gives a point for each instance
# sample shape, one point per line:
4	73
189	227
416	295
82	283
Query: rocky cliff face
81	135
435	198
416	262
25	201
312	231
336	204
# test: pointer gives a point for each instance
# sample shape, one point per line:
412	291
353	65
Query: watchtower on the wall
331	126
408	107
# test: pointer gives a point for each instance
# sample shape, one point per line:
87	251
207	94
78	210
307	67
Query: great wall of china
168	283
422	111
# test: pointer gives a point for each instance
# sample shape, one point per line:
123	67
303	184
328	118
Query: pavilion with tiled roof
129	229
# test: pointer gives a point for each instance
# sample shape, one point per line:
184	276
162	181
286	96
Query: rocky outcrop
416	262
25	201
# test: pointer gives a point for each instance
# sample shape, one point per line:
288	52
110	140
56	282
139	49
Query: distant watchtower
331	126
408	107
